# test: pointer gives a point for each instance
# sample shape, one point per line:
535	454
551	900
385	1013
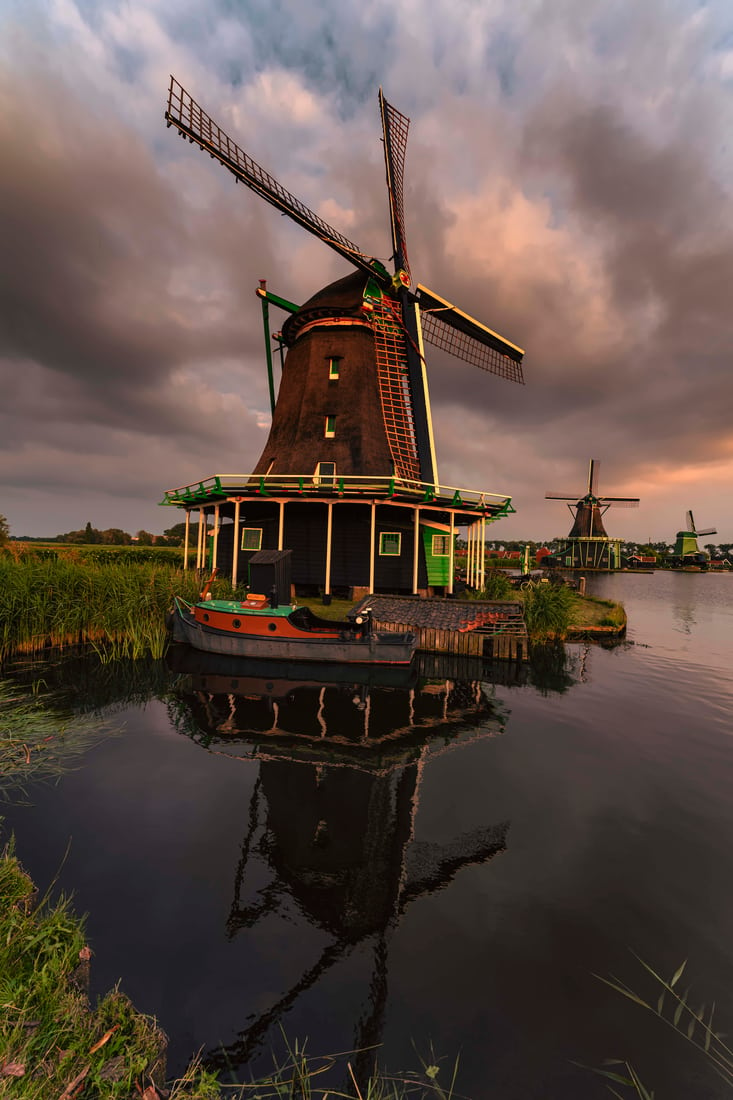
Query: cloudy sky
568	182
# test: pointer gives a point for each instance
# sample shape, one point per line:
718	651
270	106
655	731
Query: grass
548	610
115	605
497	586
54	1043
592	611
675	1008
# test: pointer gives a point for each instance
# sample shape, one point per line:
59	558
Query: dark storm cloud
105	282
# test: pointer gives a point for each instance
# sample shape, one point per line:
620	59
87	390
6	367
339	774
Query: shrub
548	610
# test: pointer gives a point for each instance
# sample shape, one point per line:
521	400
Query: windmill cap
343	298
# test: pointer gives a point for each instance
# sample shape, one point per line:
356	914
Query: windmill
352	422
686	551
588	545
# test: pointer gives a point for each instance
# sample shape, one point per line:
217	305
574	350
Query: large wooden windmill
686	551
588	545
348	478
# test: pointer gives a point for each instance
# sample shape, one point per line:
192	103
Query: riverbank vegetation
55	1043
554	611
117	606
39	742
117	598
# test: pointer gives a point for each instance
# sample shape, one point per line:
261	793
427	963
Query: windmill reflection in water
332	815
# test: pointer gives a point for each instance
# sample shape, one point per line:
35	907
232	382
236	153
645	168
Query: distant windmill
351	428
588	545
686	551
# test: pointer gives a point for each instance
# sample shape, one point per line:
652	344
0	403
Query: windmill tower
686	551
348	477
588	545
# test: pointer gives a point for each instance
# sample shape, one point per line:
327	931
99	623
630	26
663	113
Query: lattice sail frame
395	127
464	347
193	122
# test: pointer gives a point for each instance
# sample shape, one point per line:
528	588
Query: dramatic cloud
568	182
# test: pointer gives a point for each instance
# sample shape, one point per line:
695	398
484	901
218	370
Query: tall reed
548	610
63	601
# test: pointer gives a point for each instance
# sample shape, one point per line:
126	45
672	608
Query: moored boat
252	628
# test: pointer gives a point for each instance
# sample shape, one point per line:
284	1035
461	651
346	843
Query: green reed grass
549	610
497	586
672	1002
62	601
54	1043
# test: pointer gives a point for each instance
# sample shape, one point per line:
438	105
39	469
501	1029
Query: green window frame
330	427
251	538
334	367
390	544
441	546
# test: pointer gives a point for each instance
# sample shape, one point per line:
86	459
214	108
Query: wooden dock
491	629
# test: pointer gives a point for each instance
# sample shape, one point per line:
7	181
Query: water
409	866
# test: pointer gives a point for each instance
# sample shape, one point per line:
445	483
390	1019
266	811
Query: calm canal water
445	862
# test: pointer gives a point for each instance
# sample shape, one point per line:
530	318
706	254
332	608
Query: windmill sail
447	327
394	129
593	476
193	122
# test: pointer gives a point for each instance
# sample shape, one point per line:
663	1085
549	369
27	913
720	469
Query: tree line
111	536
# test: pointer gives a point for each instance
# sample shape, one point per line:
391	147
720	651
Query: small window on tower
390	543
251	538
334	362
330	429
325	475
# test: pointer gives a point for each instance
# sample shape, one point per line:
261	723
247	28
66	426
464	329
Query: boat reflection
331	828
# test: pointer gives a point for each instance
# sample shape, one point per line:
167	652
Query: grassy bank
555	611
69	597
55	1043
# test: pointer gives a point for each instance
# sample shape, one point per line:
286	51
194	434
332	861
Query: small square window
441	546
334	364
251	538
390	543
330	428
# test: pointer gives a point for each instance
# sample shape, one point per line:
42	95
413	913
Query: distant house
720	563
541	554
646	561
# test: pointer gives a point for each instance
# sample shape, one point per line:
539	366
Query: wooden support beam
329	535
186	539
372	539
215	548
235	545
